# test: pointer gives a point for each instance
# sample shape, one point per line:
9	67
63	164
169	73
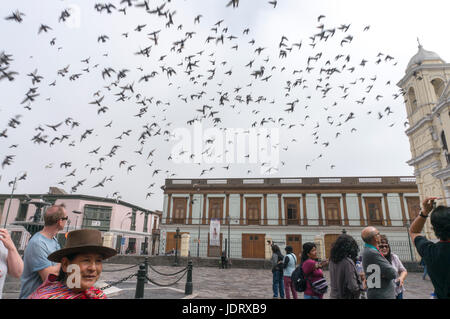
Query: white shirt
3	266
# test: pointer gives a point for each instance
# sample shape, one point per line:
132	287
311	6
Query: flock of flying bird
213	91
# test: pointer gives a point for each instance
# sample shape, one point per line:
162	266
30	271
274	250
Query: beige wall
428	136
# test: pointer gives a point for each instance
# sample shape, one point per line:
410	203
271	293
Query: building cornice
443	173
419	124
410	72
437	109
80	197
424	156
436	165
302	185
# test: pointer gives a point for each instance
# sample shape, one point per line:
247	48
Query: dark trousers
277	284
223	262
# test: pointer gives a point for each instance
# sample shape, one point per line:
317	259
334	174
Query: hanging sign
214	232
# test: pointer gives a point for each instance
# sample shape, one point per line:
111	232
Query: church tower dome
424	57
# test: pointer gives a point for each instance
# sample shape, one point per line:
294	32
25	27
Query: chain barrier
166	285
159	273
142	275
121	269
118	282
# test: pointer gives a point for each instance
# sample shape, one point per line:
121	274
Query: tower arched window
438	85
444	141
445	147
412	99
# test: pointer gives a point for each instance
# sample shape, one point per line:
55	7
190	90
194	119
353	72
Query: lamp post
121	224
10	200
77	212
199	222
229	243
177	235
409	242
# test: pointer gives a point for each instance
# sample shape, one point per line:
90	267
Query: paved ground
215	283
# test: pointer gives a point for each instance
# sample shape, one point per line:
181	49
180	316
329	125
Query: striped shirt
54	289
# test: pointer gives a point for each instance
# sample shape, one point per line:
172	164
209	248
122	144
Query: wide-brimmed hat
83	241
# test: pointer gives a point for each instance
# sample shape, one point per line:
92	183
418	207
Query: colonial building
286	211
427	97
124	226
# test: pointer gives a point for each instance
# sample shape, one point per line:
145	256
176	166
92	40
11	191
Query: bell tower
426	89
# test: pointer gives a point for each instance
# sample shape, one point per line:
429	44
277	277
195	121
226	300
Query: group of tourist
51	272
377	273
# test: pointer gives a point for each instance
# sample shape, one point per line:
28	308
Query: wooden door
329	241
333	210
215	251
253	209
374	211
253	245
292	211
296	242
171	243
413	207
216	209
179	210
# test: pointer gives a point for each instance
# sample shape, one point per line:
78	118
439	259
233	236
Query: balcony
156	232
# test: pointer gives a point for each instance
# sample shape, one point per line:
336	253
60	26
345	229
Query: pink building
126	227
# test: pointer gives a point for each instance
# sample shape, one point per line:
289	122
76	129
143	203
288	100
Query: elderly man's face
371	235
376	238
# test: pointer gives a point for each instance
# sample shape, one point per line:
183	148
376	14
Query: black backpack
298	279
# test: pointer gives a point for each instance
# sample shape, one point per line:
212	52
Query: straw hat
83	241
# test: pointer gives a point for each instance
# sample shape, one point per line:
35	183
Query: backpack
298	279
319	286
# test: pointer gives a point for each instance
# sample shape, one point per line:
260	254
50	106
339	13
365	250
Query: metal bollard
146	269
140	283
188	288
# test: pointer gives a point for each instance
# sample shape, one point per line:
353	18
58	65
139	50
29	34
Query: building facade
127	228
426	88
286	211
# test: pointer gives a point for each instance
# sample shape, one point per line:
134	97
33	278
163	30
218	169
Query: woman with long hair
344	279
312	269
277	272
385	249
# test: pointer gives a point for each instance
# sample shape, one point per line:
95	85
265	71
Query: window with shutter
333	210
179	210
374	211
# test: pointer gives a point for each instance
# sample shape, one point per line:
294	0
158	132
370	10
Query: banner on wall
214	232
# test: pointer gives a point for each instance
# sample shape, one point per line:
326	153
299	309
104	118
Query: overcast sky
333	135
